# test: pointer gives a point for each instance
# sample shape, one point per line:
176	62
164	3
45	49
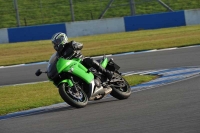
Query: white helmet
59	40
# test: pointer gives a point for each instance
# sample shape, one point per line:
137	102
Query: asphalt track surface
130	62
172	108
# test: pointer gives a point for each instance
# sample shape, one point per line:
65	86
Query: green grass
24	97
26	52
53	11
138	79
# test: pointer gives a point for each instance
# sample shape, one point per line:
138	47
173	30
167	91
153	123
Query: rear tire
76	99
120	89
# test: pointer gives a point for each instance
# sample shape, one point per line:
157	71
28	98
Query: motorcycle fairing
59	66
75	67
104	63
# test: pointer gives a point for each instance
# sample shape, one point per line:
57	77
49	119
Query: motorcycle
77	85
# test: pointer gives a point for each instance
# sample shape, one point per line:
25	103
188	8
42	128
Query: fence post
132	7
105	10
72	10
17	13
41	12
165	5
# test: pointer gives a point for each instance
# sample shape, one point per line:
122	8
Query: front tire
76	98
120	89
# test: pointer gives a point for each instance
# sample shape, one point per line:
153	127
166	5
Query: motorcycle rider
72	49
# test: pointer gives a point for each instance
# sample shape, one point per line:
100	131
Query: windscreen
51	69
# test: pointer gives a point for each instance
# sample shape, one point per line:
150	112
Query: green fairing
104	63
67	81
75	67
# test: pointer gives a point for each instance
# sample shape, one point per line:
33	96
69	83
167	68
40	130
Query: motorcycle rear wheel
76	99
120	89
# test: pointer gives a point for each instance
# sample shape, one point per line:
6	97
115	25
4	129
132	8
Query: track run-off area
170	103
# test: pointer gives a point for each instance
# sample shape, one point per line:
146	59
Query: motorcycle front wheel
74	97
120	89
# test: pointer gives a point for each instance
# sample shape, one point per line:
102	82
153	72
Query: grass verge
24	97
26	52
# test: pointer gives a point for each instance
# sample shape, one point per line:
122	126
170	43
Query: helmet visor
57	42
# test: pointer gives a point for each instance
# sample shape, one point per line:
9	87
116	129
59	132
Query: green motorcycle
77	84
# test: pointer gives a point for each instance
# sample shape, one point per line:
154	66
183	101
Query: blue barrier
155	21
131	23
33	33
